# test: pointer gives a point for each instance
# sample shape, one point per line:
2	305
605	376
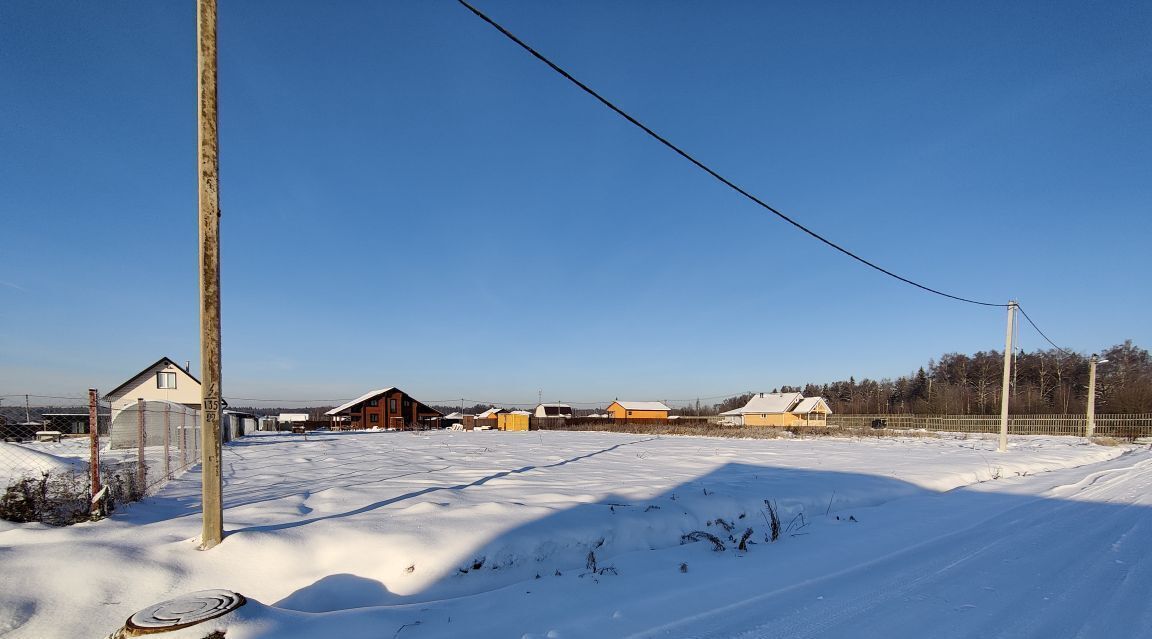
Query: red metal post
94	440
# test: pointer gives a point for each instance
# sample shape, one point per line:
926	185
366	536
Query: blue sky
409	199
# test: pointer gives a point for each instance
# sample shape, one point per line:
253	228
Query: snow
768	403
34	458
576	534
809	404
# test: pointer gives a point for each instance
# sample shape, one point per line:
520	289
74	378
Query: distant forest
1048	381
1044	382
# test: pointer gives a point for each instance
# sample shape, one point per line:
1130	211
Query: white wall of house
147	385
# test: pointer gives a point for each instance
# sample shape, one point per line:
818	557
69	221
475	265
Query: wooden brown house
385	408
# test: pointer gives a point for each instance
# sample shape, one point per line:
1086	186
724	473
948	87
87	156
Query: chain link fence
55	469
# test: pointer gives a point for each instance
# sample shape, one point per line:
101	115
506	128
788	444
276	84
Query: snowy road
1074	562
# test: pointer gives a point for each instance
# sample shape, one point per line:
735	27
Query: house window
392	404
374	402
165	380
374	418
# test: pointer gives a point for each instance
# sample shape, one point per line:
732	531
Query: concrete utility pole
1090	425
209	212
1007	380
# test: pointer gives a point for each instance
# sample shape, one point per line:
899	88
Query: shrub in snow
57	499
773	520
697	535
743	547
62	498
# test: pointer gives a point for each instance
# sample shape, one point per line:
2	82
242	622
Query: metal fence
55	469
1121	426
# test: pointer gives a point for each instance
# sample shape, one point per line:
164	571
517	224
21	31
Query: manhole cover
184	611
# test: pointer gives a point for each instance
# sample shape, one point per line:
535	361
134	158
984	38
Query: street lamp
1090	426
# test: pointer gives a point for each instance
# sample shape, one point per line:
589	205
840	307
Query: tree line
1043	381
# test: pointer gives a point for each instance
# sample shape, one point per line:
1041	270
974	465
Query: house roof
809	404
642	405
162	360
369	395
363	398
292	417
554	406
768	403
491	412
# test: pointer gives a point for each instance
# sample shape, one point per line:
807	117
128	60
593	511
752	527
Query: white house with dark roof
553	410
165	380
780	409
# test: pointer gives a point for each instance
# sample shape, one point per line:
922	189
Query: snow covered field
552	534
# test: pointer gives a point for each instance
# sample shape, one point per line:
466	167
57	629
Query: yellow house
638	410
781	410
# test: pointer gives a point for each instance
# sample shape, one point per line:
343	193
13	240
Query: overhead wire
681	152
1021	309
590	91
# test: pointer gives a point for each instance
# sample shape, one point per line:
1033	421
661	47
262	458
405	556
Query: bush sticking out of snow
773	520
57	499
697	535
743	547
60	497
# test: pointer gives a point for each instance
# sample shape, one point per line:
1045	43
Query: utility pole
209	214
1007	380
1090	425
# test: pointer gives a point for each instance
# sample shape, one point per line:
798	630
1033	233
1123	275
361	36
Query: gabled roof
554	405
768	403
363	398
491	412
162	360
376	393
809	404
642	405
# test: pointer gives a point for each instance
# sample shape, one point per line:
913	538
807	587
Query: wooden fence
583	423
1126	426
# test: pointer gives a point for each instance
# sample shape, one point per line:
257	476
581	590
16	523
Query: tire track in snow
1042	568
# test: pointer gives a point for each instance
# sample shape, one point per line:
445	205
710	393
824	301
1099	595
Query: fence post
94	446
142	468
167	439
183	437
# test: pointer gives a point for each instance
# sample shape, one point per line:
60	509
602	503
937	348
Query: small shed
516	420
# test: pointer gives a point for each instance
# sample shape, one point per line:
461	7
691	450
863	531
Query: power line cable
705	168
1021	309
